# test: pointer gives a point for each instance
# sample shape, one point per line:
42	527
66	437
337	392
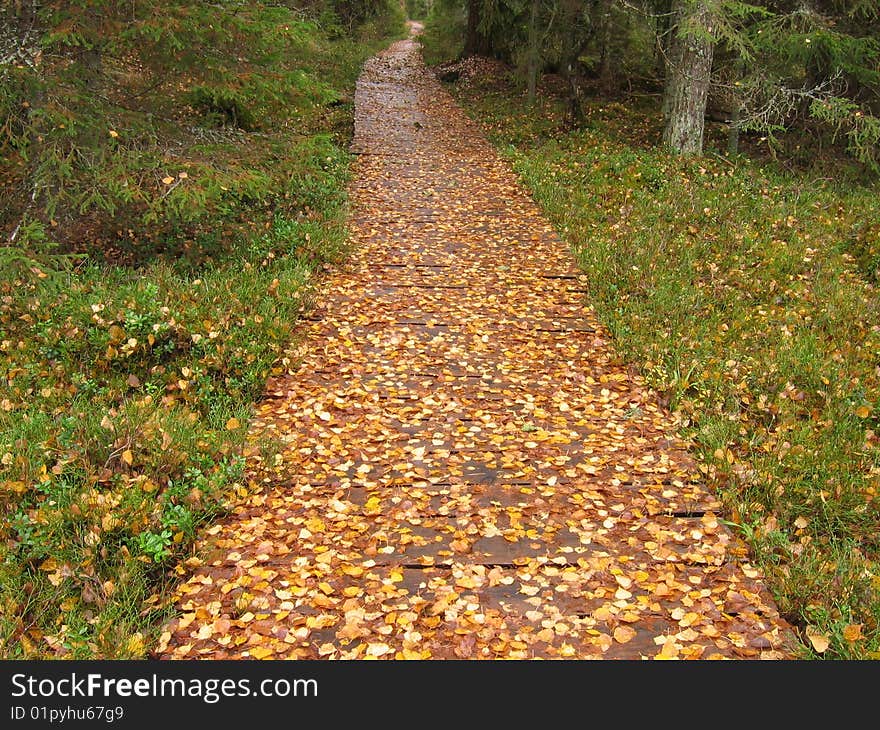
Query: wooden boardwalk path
467	470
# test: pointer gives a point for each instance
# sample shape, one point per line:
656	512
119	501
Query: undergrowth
134	343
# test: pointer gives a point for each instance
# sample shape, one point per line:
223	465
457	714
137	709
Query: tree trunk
476	43
687	86
733	132
606	67
533	53
573	46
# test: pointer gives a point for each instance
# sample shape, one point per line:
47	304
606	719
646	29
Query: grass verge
747	297
127	389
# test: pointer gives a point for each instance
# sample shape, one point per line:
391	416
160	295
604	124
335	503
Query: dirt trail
466	471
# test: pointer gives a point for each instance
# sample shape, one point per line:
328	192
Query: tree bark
687	86
533	53
573	45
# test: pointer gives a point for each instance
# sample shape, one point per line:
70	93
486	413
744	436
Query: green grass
746	296
128	385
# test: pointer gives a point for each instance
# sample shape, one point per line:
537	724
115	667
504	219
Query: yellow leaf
853	632
669	650
373	505
127	456
819	641
114	133
325	558
168	180
412	654
260	652
135	644
863	411
232	424
623	634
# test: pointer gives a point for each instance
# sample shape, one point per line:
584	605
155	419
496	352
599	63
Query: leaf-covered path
467	470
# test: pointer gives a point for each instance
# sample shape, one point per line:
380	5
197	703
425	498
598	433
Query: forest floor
463	467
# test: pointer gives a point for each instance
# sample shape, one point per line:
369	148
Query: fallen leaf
819	641
378	650
260	652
